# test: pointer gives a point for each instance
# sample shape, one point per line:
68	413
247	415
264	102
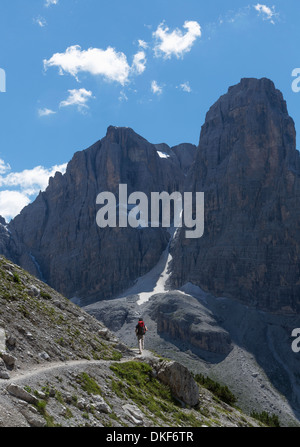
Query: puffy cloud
12	203
113	66
25	185
45	112
139	62
40	21
123	96
155	88
267	12
185	86
35	179
109	63
77	97
4	167
142	44
176	43
50	3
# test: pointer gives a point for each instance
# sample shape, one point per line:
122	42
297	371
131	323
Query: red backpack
141	329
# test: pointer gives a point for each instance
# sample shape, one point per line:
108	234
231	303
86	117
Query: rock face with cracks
57	238
248	167
180	381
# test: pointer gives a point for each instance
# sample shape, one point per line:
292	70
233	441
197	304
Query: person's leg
140	344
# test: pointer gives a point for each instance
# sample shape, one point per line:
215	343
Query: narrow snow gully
156	280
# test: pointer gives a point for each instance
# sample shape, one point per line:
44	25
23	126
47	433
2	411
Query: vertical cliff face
57	236
248	167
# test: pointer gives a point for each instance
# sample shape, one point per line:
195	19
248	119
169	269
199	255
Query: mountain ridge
52	231
246	156
206	299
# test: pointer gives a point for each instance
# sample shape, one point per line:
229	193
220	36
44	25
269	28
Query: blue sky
74	67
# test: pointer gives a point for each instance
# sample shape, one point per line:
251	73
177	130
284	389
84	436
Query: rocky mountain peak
250	122
248	167
57	238
116	134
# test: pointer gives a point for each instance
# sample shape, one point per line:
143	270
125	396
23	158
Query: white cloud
25	185
4	167
155	88
113	66
267	12
77	97
139	62
12	203
40	21
123	96
142	44
176	43
185	86
45	112
35	179
50	3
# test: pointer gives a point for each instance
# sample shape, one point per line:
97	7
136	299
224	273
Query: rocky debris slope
242	347
38	324
61	367
248	167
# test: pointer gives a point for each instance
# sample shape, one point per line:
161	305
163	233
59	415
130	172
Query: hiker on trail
140	331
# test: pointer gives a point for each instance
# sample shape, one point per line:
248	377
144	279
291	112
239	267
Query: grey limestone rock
57	237
180	380
248	167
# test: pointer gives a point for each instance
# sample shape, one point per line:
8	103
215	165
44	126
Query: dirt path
40	371
15	412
